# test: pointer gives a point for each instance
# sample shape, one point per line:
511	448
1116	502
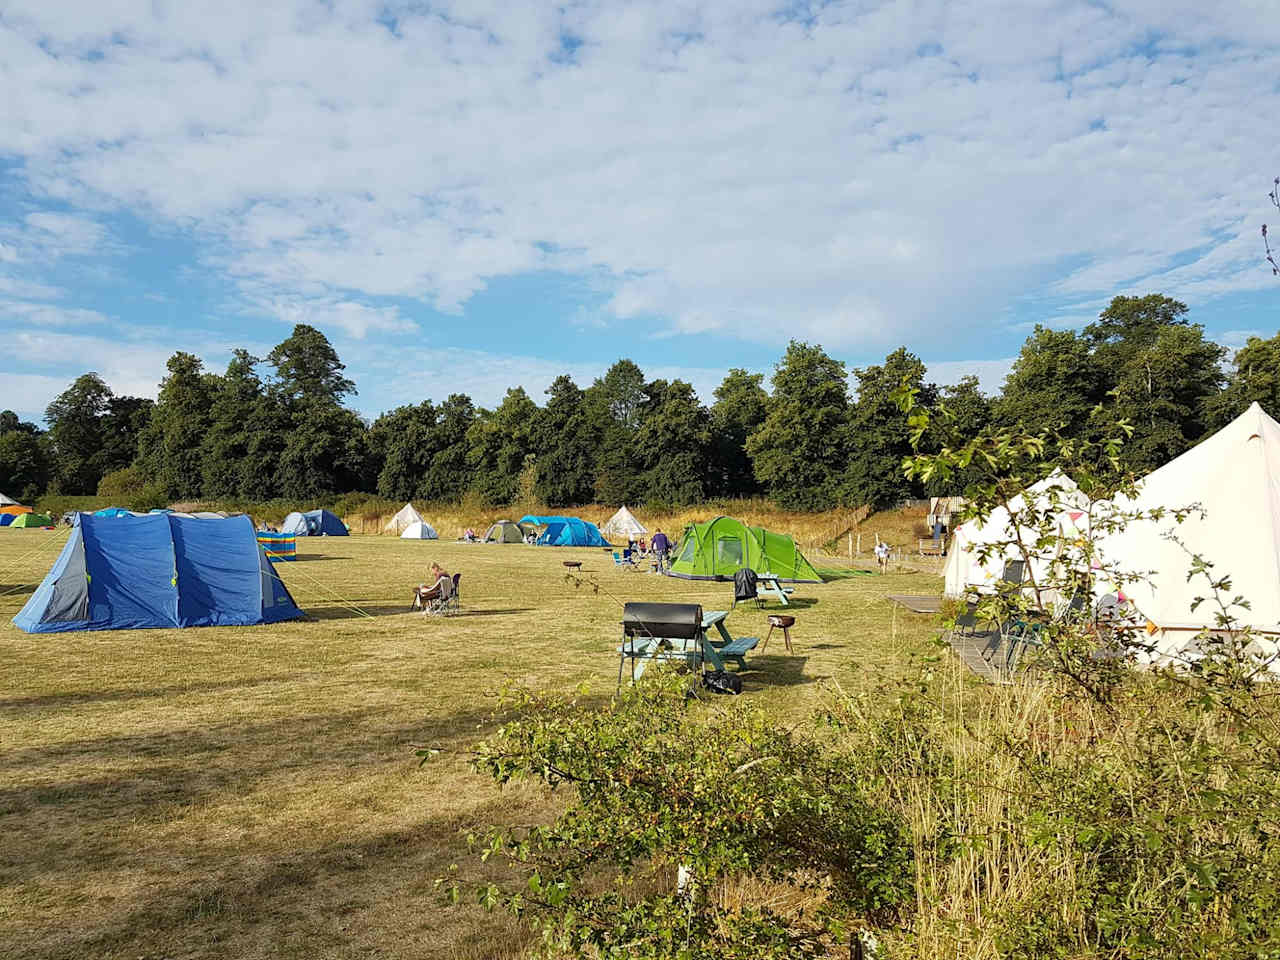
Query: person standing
882	556
660	544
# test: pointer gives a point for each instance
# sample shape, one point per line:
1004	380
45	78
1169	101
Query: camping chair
967	621
746	587
438	605
455	602
625	562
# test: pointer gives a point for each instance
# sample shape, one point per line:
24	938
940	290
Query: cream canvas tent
421	530
966	571
405	516
1234	477
10	502
623	526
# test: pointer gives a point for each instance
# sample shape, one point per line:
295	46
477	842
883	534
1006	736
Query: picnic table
768	583
695	653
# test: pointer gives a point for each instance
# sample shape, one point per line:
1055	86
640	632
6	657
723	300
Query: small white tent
403	518
8	501
623	526
421	530
965	570
1234	477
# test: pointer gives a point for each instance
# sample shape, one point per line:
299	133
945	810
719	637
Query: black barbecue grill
660	631
670	621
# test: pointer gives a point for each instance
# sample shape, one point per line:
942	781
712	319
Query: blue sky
468	196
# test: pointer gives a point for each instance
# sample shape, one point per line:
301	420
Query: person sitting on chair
469	535
433	591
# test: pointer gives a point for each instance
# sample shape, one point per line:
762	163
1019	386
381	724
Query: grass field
252	792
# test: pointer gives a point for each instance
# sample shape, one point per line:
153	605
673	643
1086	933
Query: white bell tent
623	526
405	516
1234	478
421	530
965	570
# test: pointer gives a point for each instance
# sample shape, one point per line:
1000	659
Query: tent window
728	552
690	547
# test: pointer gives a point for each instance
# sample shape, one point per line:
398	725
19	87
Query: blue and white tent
113	512
152	570
314	523
566	532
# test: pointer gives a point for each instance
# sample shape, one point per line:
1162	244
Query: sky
470	196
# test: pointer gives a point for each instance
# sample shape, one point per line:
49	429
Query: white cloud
356	319
876	173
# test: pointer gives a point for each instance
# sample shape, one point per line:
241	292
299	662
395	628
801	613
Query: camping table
770	584
693	652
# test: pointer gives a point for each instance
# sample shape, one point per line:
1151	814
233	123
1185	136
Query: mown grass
252	792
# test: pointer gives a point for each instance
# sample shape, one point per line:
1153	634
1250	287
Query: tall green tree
169	449
566	443
499	444
878	435
448	474
75	434
122	425
799	452
972	410
1161	373
1055	383
740	408
1254	378
673	443
307	367
403	437
25	470
615	405
236	405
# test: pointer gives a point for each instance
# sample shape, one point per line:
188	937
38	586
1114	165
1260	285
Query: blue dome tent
566	532
314	523
113	512
132	572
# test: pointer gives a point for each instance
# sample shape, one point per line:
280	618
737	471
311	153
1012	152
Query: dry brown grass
252	792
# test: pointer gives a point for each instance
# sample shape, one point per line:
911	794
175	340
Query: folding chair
438	605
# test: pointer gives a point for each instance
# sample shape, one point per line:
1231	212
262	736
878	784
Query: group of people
659	546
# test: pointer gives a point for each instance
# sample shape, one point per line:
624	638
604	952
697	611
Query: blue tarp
314	523
154	570
113	512
566	532
6	519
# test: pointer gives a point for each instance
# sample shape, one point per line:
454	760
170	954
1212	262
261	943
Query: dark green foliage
449	475
799	452
170	447
1254	378
672	445
402	439
740	408
307	367
75	433
1055	384
25	470
655	783
878	437
499	443
237	436
566	441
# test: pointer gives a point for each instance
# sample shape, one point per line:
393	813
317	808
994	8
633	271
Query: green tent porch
719	548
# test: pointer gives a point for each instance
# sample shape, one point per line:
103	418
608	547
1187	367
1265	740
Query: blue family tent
153	570
113	512
314	523
566	532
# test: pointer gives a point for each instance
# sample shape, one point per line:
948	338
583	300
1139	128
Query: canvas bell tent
421	530
718	549
314	523
6	501
405	516
623	526
1234	477
966	572
32	520
565	531
505	531
118	573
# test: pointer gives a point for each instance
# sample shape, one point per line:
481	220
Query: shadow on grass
782	670
75	698
312	556
335	612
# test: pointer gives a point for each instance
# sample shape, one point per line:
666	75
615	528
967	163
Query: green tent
506	531
718	549
32	520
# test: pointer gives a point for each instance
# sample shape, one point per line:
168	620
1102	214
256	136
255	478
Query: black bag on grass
722	681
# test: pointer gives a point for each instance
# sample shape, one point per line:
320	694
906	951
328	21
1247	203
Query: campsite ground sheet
253	792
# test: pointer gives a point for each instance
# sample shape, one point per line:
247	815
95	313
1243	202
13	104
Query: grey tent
505	531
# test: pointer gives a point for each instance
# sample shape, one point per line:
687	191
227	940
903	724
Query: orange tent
15	509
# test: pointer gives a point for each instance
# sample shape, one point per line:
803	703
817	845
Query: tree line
277	427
